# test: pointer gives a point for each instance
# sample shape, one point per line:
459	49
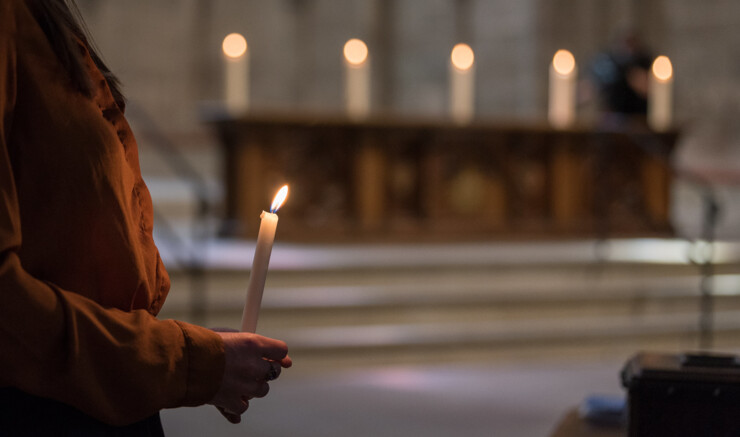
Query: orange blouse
81	280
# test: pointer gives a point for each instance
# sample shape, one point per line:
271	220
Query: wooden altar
425	179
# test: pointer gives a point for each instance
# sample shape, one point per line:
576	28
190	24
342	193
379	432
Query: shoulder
7	16
7	7
8	27
10	11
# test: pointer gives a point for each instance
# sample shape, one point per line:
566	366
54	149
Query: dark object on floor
685	395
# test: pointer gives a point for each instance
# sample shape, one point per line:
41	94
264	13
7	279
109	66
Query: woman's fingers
286	362
254	389
231	417
274	350
236	406
251	362
273	370
261	390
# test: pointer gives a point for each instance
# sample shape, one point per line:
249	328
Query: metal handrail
710	215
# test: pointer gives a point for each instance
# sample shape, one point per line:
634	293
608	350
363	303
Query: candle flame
462	57
234	45
563	62
279	199
355	51
662	68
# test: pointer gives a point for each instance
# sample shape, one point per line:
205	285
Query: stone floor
477	399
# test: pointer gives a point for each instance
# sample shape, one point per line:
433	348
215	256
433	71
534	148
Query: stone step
332	303
409	302
236	255
313	284
387	324
300	318
502	331
462	341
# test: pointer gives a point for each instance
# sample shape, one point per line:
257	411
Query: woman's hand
251	361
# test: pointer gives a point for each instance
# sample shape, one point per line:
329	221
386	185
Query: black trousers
23	415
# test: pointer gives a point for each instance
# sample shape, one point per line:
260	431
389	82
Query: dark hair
63	25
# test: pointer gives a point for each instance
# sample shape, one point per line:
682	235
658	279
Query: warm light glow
462	57
563	62
279	199
234	45
355	51
662	68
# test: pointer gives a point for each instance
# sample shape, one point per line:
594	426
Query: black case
684	395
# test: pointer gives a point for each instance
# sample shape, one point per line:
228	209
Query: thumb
231	417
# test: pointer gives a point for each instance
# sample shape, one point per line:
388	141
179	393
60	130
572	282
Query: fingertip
286	362
263	390
231	417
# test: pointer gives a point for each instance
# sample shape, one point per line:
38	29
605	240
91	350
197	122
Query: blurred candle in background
562	94
236	73
462	83
660	94
356	78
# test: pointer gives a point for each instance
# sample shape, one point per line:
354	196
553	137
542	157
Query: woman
81	351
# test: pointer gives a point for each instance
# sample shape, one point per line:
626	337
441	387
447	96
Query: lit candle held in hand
261	261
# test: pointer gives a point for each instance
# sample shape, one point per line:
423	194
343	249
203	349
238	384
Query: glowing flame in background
355	51
563	62
234	45
662	68
462	57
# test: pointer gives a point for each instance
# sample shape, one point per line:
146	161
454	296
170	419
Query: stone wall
167	52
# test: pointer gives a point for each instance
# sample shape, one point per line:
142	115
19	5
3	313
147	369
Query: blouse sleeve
116	366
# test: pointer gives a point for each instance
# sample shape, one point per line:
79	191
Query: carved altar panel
422	180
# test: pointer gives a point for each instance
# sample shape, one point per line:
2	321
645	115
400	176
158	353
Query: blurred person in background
619	76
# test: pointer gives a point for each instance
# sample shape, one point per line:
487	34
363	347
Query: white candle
562	100
660	94
260	263
356	79
462	83
236	73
